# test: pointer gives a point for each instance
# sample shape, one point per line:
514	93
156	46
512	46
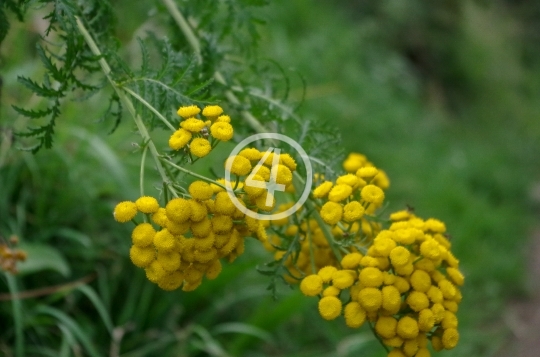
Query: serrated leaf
33	113
49	65
4	25
42	257
36	88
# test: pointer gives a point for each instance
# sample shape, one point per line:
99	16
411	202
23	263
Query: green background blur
442	95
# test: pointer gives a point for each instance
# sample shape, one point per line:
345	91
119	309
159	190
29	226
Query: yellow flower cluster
199	135
406	286
187	238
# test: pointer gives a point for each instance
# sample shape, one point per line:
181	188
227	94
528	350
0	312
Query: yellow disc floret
330	307
200	190
125	211
311	285
372	194
188	111
222	131
200	147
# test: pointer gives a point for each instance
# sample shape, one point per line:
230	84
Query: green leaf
98	304
4	25
36	88
42	257
32	113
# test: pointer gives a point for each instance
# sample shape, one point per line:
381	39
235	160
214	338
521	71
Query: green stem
149	106
311	253
141	174
184	26
126	102
191	173
17	315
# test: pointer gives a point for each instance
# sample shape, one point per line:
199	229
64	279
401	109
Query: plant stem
141	174
126	101
184	26
17	316
191	173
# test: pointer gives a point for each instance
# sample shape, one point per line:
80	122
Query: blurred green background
442	95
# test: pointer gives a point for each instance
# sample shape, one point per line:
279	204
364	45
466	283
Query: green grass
470	164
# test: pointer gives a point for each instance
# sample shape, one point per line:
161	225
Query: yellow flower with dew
212	111
331	212
311	285
200	190
330	307
339	192
222	131
179	139
200	147
355	315
188	111
147	204
323	189
125	211
192	125
238	165
353	211
372	194
143	235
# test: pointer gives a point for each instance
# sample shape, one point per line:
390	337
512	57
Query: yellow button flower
383	246
201	228
331	291
288	161
407	327
353	211
326	273
311	285
160	217
188	111
371	277
323	189
355	316
155	272
251	154
212	111
200	147
430	249
284	175
170	261
391	299
239	165
370	299
399	256
343	279
420	281
198	211
367	172
330	307
179	139
223	204
331	212
178	210
142	256
125	211
351	261
221	224
147	204
456	276
192	125
164	240
426	320
417	301
450	338
348	179
200	190
372	194
339	192
223	119
222	131
386	326
143	235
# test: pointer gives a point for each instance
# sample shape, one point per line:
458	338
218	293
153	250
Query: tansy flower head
342	279
355	315
407	327
323	189
367	172
125	211
200	147
331	212
391	299
353	211
372	194
371	277
223	119
212	111
143	235
284	175
386	326
142	256
370	299
348	179
339	192
222	131
179	139
200	190
326	273
239	165
147	204
288	161
178	210
330	307
251	154
192	125
188	111
311	285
